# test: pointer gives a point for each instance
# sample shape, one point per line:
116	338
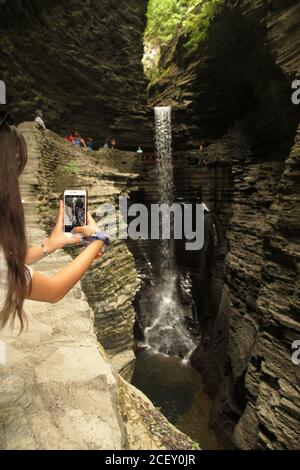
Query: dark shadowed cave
83	66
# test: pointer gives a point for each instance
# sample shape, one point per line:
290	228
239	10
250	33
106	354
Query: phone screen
75	212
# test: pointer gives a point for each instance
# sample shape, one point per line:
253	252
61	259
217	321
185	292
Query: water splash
167	332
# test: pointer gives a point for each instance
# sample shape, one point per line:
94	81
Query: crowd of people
77	139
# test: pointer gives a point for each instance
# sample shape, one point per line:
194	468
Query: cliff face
240	79
244	68
80	63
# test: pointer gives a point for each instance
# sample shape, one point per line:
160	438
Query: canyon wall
80	63
234	95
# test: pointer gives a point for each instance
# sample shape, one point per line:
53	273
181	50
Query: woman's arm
56	240
34	254
53	289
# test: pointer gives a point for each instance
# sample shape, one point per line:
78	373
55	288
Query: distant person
82	142
70	138
140	150
39	120
89	144
106	144
79	141
113	143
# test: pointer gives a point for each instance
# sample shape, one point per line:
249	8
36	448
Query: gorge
236	148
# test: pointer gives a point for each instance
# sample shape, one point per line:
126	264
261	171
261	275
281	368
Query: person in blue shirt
89	143
78	140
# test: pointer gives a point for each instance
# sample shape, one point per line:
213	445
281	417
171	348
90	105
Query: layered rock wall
234	94
111	283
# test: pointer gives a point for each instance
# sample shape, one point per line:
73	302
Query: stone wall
264	340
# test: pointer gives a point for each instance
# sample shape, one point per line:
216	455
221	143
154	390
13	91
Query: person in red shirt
70	138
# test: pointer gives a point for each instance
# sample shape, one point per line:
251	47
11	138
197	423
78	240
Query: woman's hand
89	229
57	238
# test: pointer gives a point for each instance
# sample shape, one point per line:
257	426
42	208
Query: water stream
167	332
167	318
178	391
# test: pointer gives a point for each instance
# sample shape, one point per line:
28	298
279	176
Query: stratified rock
234	94
146	427
111	283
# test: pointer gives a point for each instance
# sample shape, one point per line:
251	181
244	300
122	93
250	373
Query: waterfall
167	332
163	141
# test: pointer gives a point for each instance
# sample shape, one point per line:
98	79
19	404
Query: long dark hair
13	158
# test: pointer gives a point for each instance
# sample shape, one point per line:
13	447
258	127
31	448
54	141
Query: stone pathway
57	390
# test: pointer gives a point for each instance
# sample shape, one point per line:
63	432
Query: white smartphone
75	209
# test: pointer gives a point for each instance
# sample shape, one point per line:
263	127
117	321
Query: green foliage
198	20
194	16
196	446
163	18
70	168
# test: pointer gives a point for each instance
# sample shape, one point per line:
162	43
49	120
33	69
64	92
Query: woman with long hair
17	281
